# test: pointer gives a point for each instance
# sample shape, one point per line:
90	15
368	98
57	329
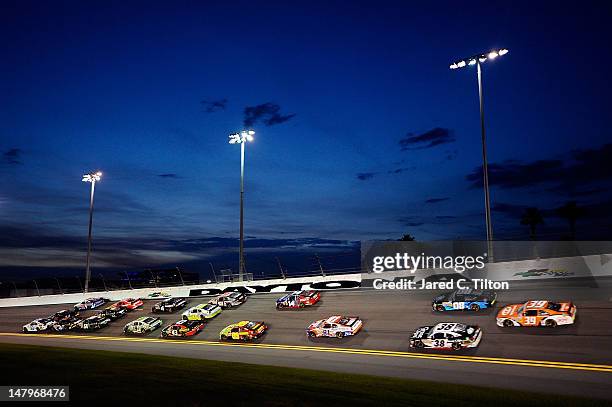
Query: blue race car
468	299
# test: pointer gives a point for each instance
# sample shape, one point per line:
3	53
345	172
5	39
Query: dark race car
182	329
92	323
64	315
446	335
113	312
467	299
169	305
298	299
64	319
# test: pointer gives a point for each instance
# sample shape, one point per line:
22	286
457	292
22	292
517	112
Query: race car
243	331
89	303
114	313
64	320
92	323
142	326
202	312
336	326
446	335
64	315
229	300
159	294
129	304
468	299
298	299
537	313
38	325
182	329
169	305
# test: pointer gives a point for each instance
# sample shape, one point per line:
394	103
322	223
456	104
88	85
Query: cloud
429	139
579	170
13	156
364	176
436	200
268	113
169	175
211	106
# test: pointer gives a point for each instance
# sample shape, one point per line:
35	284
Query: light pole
92	178
241	138
478	60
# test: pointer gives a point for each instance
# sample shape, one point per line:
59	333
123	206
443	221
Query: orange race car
537	313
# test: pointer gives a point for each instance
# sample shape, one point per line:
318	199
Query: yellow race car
243	331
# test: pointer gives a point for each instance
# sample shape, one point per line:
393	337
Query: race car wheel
475	307
419	344
551	323
456	346
223	338
508	323
339	334
440	308
310	334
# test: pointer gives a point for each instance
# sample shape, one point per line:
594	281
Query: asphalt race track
574	360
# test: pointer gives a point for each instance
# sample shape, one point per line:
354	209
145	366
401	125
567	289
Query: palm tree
571	212
532	217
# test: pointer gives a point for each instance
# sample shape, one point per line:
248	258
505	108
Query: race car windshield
251	325
460	328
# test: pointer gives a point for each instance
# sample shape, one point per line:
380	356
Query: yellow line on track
369	352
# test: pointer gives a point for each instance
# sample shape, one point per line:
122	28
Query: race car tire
339	334
475	307
440	308
508	323
456	346
223	338
419	344
228	305
310	334
551	323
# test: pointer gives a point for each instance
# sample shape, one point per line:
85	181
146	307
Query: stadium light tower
241	138
478	60
92	178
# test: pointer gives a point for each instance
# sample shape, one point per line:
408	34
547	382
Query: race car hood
508	310
316	324
283	298
421	332
441	297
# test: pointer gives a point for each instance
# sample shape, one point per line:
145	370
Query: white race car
229	300
446	335
39	325
142	326
337	326
89	303
201	312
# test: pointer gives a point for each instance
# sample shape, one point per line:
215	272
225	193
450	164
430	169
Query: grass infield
108	378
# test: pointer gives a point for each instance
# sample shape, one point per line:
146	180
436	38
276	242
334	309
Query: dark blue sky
384	139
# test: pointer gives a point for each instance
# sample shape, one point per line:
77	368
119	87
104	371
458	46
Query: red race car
182	329
129	304
298	299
